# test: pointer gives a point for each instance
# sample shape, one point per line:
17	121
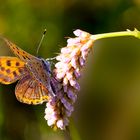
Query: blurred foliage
108	106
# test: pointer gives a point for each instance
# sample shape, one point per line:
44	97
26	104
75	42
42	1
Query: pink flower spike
51	122
72	82
87	46
74	62
72	95
75	52
59	65
63	58
65	88
60	124
67	71
77	87
67	105
78	32
68	113
84	54
73	41
82	61
77	74
60	75
69	75
65	50
65	81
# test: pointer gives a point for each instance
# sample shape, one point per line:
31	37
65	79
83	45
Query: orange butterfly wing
33	64
21	54
30	91
11	69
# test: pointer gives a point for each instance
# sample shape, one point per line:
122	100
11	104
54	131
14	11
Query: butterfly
34	75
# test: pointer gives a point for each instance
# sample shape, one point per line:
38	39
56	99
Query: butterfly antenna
41	41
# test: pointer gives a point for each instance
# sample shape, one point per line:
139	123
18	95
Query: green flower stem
134	33
73	131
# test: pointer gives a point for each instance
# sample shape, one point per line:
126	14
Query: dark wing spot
8	62
20	70
43	75
9	43
27	57
17	48
8	71
24	57
17	63
18	52
2	69
6	79
13	48
15	74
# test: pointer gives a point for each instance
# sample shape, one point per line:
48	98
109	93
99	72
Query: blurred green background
108	105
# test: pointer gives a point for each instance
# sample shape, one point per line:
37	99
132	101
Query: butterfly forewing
11	69
30	91
23	55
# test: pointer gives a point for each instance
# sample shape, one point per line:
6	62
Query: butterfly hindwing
39	72
11	69
30	91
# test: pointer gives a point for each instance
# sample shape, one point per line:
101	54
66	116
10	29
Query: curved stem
134	33
73	131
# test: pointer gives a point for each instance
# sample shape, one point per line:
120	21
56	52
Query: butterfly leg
50	59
